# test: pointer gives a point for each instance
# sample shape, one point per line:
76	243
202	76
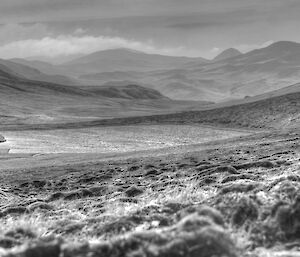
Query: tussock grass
190	194
33	224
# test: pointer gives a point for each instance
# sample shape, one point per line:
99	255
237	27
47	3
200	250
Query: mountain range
231	75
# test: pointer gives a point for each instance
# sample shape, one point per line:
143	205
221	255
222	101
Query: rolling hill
30	101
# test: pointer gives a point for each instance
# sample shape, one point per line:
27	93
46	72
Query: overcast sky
173	27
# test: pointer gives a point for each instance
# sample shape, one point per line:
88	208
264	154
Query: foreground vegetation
232	199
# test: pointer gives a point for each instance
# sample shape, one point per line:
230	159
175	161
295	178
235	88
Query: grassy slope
276	112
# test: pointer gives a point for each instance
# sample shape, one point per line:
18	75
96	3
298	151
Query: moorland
127	168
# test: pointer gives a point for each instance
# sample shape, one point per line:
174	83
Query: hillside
33	72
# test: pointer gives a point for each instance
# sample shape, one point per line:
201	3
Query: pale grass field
112	139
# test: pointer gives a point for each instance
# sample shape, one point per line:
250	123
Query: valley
165	157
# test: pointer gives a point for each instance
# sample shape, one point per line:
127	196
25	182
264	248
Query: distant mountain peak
228	53
121	49
284	45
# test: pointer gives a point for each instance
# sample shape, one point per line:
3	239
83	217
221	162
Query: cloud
12	32
73	45
215	50
74	10
79	31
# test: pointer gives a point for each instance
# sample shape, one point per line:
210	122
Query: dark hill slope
126	92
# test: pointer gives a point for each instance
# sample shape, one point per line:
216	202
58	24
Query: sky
62	28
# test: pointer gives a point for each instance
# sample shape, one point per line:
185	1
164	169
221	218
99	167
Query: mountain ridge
126	60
